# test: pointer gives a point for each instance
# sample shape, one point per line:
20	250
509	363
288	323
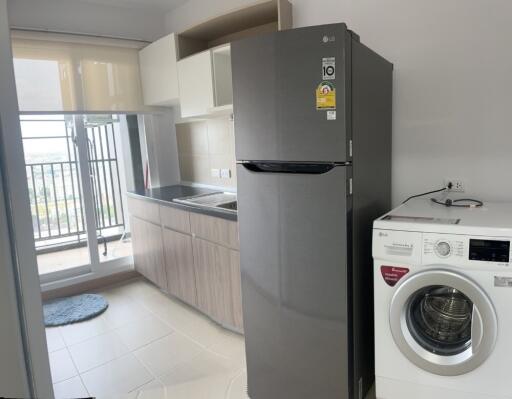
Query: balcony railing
56	197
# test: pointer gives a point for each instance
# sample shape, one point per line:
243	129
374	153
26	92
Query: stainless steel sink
222	200
229	205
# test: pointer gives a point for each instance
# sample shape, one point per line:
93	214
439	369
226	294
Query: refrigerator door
275	82
293	243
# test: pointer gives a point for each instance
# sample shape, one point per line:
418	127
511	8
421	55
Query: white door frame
88	198
95	268
20	224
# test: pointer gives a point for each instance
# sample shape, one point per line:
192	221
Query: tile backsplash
207	145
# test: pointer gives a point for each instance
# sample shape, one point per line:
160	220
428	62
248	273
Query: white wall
81	17
452	83
161	149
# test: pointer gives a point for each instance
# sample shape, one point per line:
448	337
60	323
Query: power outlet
225	173
457	185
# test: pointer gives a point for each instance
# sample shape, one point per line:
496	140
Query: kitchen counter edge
169	202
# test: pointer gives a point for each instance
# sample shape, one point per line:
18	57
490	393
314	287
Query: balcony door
77	184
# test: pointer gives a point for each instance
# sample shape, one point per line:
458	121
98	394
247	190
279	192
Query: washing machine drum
439	318
443	322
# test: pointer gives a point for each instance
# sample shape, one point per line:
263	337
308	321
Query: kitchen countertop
165	196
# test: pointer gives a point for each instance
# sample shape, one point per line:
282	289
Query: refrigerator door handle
289	167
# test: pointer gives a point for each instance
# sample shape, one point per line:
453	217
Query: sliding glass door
76	175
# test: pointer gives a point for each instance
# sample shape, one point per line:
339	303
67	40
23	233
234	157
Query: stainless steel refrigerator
312	110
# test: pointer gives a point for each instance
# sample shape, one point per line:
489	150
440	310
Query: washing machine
443	302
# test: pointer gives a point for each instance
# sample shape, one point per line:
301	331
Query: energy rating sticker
325	96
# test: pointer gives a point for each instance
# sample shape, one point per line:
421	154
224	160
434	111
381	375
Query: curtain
67	73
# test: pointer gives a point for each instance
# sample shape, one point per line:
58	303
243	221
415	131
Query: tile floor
147	345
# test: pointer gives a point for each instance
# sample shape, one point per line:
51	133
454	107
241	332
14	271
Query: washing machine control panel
443	249
441	246
459	250
400	248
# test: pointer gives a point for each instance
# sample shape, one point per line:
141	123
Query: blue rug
61	311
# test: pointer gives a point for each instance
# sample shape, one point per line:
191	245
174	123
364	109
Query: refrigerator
312	117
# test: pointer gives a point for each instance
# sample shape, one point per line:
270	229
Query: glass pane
56	196
439	318
108	165
33	128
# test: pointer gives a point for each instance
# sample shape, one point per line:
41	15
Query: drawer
175	219
214	229
145	210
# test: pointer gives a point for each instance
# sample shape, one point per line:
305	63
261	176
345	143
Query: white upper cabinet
222	77
158	72
205	82
196	84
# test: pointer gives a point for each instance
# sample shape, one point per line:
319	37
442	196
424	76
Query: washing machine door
443	322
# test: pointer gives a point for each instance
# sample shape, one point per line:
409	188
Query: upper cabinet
193	67
205	82
158	72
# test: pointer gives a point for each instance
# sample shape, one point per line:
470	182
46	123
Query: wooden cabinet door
236	290
175	219
137	230
144	210
217	271
204	269
217	230
179	265
148	251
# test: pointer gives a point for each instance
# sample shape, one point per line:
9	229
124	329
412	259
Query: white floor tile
151	389
54	339
72	388
61	366
193	324
181	374
202	366
141	289
119	376
166	353
142	332
124	312
212	364
238	387
214	387
78	332
97	351
230	345
111	395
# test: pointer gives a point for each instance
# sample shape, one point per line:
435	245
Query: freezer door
293	243
275	78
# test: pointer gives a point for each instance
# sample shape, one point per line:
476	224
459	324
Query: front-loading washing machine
443	302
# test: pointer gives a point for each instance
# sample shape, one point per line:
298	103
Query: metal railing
58	213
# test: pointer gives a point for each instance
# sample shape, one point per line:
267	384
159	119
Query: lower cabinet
217	270
148	251
236	289
179	265
193	257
